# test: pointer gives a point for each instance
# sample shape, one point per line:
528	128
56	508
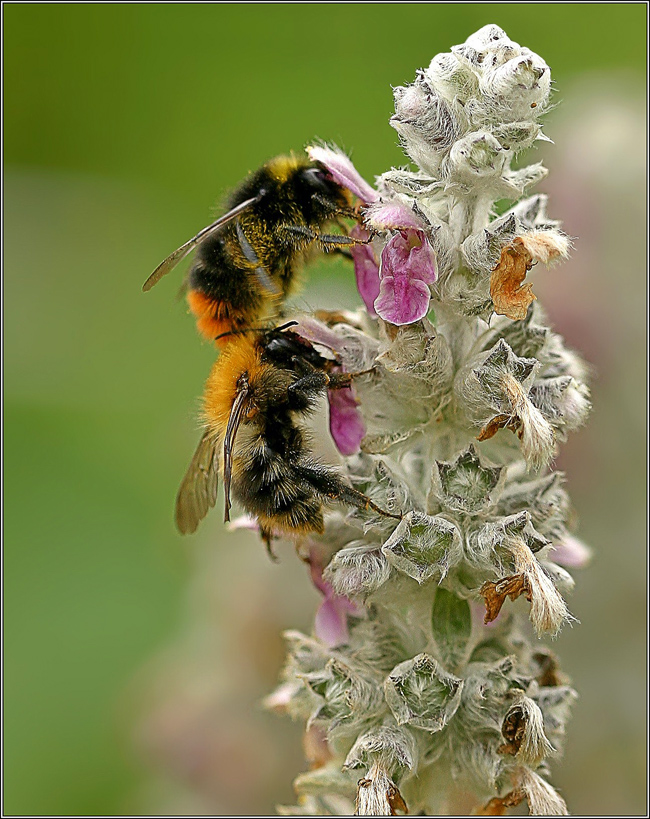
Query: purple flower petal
346	424
366	269
315	331
407	269
343	171
571	552
316	572
331	624
402	301
393	216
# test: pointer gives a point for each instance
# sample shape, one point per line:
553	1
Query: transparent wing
198	490
180	253
239	409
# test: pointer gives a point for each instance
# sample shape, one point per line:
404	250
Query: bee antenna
287	324
238	332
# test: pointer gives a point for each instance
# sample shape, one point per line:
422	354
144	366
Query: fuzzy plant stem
425	686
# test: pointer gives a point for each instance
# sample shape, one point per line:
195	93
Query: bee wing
180	253
198	490
239	409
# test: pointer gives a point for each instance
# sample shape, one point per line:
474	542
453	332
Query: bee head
319	193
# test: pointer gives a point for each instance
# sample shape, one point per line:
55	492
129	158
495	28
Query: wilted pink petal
331	624
281	697
366	269
407	269
571	552
343	171
393	216
346	424
315	331
316	572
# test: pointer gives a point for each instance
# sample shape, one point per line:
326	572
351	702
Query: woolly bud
476	160
532	213
563	401
391	747
323	780
421	693
488	47
423	547
358	570
451	78
555	702
465	485
346	698
426	123
518	89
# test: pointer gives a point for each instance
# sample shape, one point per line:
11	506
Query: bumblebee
246	261
261	385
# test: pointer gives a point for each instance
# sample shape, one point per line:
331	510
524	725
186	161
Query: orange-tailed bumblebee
246	261
261	385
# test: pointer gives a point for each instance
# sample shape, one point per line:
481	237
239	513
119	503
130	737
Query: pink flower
315	331
331	623
393	216
343	171
571	552
406	270
346	424
366	269
397	289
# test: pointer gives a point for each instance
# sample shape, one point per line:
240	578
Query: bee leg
329	484
327	241
303	391
331	241
339	381
267	537
347	213
361	501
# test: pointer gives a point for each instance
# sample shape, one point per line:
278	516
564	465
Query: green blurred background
135	660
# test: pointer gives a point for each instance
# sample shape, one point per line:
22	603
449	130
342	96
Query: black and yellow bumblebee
261	385
246	262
